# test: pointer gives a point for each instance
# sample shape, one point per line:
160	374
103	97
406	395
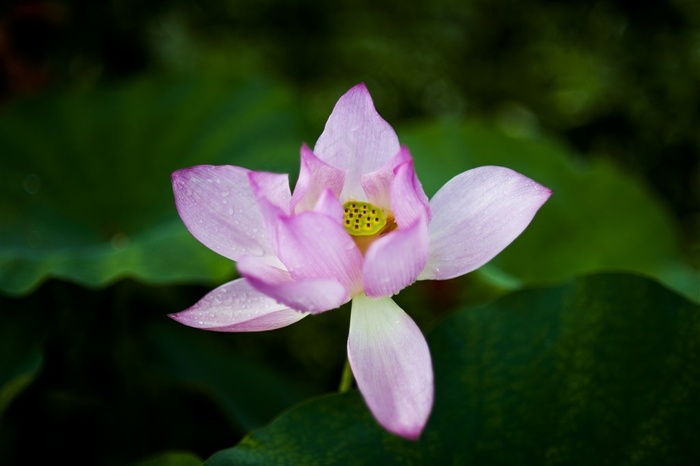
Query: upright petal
476	215
308	295
329	205
237	307
391	363
315	176
395	260
356	139
408	200
219	207
377	185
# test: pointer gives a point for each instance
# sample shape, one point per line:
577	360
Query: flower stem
346	379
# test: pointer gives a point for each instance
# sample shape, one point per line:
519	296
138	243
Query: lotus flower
358	227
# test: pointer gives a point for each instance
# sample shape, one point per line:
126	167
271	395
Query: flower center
363	219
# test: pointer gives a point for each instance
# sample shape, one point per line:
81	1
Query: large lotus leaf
598	218
604	370
85	176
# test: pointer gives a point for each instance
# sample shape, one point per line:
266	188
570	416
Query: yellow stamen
363	219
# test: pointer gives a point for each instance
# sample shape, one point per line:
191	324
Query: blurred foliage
602	370
598	217
100	101
120	145
90	198
615	79
171	458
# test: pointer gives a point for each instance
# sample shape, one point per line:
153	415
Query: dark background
616	80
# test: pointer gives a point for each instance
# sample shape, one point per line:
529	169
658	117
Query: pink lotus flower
358	227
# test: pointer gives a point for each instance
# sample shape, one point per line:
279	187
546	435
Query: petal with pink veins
395	260
377	184
312	295
237	307
356	139
274	187
408	200
219	207
315	176
391	363
313	245
329	205
476	215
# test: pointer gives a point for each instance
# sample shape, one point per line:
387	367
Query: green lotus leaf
602	370
599	218
85	176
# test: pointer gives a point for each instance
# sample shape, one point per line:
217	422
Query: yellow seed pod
363	218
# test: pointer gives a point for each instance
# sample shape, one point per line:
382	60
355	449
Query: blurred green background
101	101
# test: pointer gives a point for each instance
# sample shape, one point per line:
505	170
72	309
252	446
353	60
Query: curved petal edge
237	307
356	138
394	261
391	363
219	207
476	215
312	295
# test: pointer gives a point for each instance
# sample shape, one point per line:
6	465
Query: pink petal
315	176
329	205
274	200
307	295
237	307
391	363
476	215
273	187
377	184
219	207
356	139
408	200
314	246
394	261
